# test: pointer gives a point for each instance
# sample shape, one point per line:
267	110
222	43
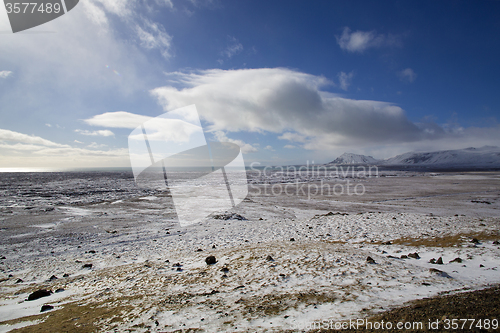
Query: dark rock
440	273
496	243
199	250
213	246
225	269
475	241
457	259
92	251
52	278
230	216
59	290
2	258
179	269
224	276
481	265
414	255
210	260
439	261
432	261
87	266
46	307
269	258
19	281
404	256
387	243
39	294
370	260
292	239
66	275
177	265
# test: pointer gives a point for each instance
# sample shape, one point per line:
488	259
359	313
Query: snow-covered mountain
486	156
350	158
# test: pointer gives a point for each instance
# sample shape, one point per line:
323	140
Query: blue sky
289	81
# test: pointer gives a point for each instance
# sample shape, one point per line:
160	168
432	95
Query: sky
290	82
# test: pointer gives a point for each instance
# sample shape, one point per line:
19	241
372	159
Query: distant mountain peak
487	156
350	158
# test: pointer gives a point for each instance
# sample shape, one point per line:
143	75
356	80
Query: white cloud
280	100
153	36
5	74
95	133
293	137
7	135
245	147
96	145
269	148
290	147
345	80
118	119
22	150
359	41
233	48
407	75
76	141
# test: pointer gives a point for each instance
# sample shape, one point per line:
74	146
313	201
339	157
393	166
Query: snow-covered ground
282	261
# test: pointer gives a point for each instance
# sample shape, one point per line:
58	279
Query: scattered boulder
46	307
370	260
432	261
404	256
87	266
439	261
224	269
414	255
39	294
481	265
177	264
440	273
210	260
92	251
52	278
2	258
496	243
199	250
292	239
387	243
269	258
213	246
19	281
66	275
475	241
229	216
457	259
59	290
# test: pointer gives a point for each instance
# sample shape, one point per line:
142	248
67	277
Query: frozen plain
148	274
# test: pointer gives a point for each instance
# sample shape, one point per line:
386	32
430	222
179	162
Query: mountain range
487	156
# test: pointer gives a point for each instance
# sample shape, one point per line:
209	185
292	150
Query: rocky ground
282	262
